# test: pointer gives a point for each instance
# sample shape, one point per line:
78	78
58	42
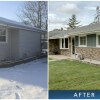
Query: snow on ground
24	81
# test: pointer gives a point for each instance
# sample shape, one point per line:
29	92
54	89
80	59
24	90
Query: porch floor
62	57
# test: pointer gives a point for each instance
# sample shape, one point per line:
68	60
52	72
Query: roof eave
81	33
29	29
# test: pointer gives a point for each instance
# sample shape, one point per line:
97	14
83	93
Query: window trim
6	34
86	41
97	44
64	43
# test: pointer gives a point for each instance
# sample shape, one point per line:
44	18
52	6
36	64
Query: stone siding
54	46
89	53
66	52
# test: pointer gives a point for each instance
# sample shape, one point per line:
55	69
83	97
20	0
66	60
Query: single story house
84	41
19	41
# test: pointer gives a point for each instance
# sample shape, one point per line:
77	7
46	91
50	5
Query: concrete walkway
62	57
58	57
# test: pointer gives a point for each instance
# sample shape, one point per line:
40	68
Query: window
2	35
64	43
98	39
83	40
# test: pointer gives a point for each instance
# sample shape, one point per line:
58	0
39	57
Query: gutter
34	30
88	32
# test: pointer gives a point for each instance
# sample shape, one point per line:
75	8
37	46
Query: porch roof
11	23
85	29
56	34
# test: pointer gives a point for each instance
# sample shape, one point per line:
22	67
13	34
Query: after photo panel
74	53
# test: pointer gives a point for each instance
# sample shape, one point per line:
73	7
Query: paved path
62	57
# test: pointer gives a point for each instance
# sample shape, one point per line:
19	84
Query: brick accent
89	53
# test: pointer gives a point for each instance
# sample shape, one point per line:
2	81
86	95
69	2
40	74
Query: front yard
73	75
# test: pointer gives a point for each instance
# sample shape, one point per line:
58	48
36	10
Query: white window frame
97	44
6	34
79	41
64	43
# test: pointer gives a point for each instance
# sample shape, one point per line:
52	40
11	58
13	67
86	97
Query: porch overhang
55	37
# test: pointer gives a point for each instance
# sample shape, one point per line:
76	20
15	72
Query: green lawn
73	75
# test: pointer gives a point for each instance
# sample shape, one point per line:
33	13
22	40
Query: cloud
56	22
54	19
69	8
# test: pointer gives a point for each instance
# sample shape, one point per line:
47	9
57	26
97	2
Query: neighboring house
18	41
83	41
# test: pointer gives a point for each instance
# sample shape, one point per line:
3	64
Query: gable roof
11	23
85	29
55	34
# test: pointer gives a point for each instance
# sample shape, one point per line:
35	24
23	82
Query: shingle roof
57	34
85	29
12	23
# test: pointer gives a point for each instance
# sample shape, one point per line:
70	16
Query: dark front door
73	46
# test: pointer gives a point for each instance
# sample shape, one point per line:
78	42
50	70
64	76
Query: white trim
63	44
97	45
79	40
73	37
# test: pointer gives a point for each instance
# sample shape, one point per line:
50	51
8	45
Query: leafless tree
35	14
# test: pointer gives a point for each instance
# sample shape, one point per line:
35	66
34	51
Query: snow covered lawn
24	81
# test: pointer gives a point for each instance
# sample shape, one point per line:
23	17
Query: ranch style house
83	41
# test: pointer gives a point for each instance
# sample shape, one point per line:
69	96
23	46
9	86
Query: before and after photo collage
50	50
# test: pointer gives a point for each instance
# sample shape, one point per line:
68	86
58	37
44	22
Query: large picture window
64	43
2	35
83	40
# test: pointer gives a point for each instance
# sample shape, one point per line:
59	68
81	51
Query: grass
73	75
50	58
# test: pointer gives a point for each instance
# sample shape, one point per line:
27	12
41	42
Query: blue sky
10	9
61	11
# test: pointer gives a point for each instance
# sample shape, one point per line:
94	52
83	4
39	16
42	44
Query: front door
73	46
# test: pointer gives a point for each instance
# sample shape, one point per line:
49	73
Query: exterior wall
20	44
9	50
29	44
5	49
14	43
89	53
66	52
54	46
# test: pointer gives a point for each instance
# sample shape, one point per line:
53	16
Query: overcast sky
61	11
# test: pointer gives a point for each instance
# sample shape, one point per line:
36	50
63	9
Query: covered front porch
62	46
54	47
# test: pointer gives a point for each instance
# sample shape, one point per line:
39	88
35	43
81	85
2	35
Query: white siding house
18	41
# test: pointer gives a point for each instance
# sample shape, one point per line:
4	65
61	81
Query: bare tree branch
35	14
